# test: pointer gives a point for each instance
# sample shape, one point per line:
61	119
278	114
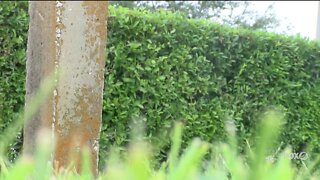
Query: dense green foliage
13	42
163	68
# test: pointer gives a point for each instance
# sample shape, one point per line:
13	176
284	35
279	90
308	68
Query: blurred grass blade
233	162
175	147
21	170
189	162
138	162
86	166
30	109
282	169
43	155
3	167
269	130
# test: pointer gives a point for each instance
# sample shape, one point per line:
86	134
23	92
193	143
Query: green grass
190	163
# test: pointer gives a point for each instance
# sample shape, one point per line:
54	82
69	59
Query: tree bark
70	36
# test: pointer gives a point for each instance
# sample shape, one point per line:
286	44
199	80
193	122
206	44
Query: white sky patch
302	15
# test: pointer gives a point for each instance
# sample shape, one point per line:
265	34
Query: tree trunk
70	36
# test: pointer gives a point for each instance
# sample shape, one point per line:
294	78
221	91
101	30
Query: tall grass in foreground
189	163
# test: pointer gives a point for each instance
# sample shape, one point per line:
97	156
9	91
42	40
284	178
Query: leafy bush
13	42
162	68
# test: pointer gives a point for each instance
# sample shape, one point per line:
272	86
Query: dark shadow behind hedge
162	68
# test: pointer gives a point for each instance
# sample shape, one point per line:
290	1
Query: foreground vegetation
222	162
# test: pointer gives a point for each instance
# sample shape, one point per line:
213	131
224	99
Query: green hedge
163	68
13	33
